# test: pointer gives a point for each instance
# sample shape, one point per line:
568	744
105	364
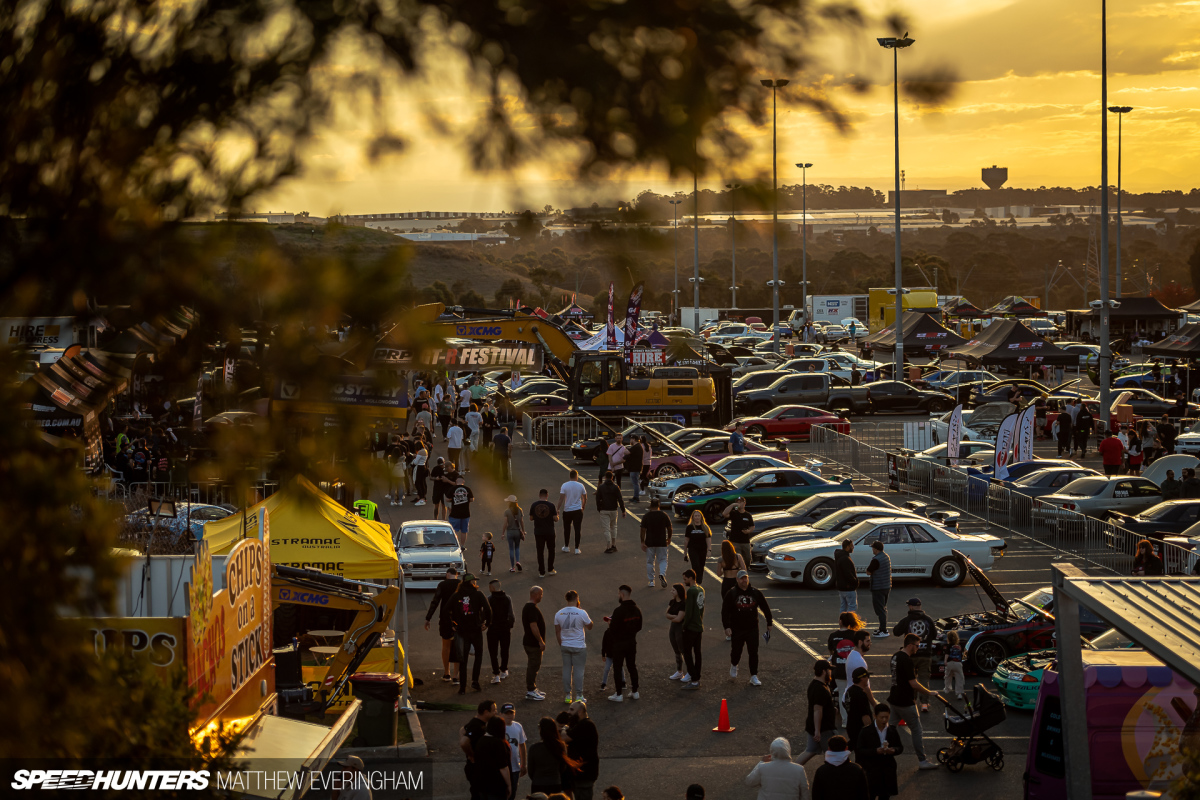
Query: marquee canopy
1008	342
920	332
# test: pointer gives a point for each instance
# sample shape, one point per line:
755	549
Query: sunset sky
1028	100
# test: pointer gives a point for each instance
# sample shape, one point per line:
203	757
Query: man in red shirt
1112	452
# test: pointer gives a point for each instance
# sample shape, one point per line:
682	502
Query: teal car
764	490
1019	679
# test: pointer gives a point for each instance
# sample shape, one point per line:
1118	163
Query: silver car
426	549
664	489
1096	495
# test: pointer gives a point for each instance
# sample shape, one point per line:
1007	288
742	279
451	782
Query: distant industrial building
493	237
272	217
917	198
414	215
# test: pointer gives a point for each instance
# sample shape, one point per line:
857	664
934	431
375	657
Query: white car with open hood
918	549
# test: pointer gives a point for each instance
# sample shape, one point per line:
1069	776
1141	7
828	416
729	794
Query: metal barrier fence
210	493
911	435
561	431
1097	542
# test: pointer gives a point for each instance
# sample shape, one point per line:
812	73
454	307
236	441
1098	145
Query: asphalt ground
656	746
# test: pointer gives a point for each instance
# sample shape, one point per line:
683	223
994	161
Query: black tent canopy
1183	343
1008	342
1015	306
1136	308
919	332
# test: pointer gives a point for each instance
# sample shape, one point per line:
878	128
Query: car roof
425	523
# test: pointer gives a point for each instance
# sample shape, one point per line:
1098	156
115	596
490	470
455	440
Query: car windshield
1195	427
1085	487
1032	478
428	537
1112	640
742	481
1157	512
1024	610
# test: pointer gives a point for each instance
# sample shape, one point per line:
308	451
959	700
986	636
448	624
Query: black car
758	380
594	449
1168	518
1000	391
904	397
814	508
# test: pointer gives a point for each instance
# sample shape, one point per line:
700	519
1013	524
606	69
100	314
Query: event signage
1004	443
468	358
954	434
648	358
38	331
198	408
347	393
610	327
632	311
1023	446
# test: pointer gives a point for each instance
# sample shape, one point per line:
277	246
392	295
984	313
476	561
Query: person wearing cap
517	742
876	750
839	778
350	768
739	616
858	702
919	623
880	572
819	724
776	776
903	696
441	600
471	613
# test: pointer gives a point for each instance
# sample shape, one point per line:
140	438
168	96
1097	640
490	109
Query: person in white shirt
454	444
438	393
856	658
516	741
464	402
571	625
616	458
474	422
572	499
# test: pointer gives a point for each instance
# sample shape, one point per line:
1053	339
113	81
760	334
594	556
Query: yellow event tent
310	529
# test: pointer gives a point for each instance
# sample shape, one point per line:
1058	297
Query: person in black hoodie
471	614
845	578
499	633
921	624
876	751
441	599
739	616
839	778
623	626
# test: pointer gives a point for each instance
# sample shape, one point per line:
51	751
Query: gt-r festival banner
468	358
954	434
633	309
1004	443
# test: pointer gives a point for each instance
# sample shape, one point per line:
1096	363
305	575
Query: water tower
995	177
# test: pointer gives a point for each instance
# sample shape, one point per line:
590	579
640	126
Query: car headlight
787	558
998	551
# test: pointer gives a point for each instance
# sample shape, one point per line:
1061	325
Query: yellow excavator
599	380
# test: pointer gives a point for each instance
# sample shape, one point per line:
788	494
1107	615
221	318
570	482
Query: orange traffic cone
723	725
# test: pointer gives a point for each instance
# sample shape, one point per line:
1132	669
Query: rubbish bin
380	696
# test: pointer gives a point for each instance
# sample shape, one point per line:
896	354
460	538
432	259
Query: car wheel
819	574
987	655
712	511
667	471
938	407
756	430
949	572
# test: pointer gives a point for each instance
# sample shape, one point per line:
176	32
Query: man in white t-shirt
571	625
454	444
857	658
572	499
438	394
616	458
516	742
464	401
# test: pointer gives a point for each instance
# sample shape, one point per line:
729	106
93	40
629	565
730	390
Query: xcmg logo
478	330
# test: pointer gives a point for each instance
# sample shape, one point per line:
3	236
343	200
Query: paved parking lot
656	746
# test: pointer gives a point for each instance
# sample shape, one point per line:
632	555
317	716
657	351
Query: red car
790	422
708	451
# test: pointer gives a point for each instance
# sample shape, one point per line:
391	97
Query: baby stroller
971	745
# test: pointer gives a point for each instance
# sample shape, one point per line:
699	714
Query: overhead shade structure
656	339
1192	307
1007	342
965	308
1013	306
574	311
1136	308
1183	343
309	529
920	332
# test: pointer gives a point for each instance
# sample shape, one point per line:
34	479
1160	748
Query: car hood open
989	588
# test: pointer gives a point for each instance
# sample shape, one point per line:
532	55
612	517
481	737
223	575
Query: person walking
1062	432
420	472
1112	453
839	778
544	515
474	421
502	448
454	443
437	477
471	614
445	414
880	572
741	527
876	751
440	604
845	577
698	536
533	639
955	680
675	612
731	564
514	732
572	500
856	659
858	702
583	743
656	533
903	696
492	775
739	616
777	777
609	504
693	630
633	467
571	625
549	762
616	458
820	722
736	445
460	509
499	633
1082	429
921	624
647	454
1166	436
514	532
624	624
841	642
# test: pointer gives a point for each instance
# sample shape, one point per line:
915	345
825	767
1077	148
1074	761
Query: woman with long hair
420	471
550	768
699	538
731	564
647	454
514	531
675	609
1147	562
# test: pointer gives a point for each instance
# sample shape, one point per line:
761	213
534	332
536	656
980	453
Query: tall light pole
1120	111
696	250
804	240
774	86
675	294
895	44
733	187
1105	306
